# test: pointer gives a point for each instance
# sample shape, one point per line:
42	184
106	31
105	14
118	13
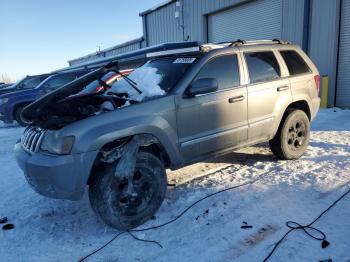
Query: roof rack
254	42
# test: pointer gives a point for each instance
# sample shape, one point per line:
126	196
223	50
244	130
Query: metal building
118	49
320	27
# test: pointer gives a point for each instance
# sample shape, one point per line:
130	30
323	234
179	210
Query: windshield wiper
129	81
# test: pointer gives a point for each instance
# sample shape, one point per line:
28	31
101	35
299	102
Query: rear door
214	121
302	78
268	91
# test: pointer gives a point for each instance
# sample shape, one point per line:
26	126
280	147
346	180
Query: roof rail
255	42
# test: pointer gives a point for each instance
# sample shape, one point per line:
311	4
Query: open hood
55	109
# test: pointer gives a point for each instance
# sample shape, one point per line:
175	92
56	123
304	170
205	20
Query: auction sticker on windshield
184	60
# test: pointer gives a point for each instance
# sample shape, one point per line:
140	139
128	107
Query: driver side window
224	69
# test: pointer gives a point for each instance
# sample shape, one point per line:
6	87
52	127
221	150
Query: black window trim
236	53
287	69
264	81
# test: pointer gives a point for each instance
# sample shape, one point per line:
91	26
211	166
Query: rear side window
295	63
224	69
59	80
262	66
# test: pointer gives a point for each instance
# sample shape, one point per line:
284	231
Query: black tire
18	118
292	137
118	209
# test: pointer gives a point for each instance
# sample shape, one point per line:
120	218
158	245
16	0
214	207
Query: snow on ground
59	230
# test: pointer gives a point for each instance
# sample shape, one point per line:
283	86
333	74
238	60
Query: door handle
236	99
282	88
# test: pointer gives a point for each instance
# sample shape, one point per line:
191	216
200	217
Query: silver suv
182	106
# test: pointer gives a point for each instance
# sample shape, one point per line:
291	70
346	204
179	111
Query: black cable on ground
172	220
308	229
103	246
291	224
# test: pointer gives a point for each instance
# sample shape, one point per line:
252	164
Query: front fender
156	117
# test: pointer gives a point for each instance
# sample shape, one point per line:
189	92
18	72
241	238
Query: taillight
318	82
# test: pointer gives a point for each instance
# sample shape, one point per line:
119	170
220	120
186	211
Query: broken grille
31	139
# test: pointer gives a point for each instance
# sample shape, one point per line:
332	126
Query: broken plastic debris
8	227
245	225
325	243
3	220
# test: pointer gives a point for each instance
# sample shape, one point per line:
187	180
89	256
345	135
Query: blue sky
38	36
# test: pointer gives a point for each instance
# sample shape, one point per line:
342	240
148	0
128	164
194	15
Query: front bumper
61	177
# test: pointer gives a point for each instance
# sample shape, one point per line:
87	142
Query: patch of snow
59	230
107	106
147	79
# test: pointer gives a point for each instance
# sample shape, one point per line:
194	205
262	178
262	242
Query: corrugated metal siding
85	59
162	26
196	11
343	84
195	16
255	20
134	45
123	49
323	40
293	21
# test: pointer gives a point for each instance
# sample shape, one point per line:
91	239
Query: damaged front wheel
126	204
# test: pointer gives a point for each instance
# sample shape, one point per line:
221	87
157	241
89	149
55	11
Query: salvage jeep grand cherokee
184	105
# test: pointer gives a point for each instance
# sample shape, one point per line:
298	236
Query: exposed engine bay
76	108
92	94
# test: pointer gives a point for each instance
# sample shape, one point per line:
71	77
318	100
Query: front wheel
292	137
124	207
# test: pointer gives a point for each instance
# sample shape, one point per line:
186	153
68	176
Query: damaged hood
41	110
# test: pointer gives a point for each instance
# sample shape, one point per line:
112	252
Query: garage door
343	84
261	19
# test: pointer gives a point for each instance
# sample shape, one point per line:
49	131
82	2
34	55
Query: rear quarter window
295	63
262	66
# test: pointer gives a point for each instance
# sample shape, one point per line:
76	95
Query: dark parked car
29	90
28	82
3	85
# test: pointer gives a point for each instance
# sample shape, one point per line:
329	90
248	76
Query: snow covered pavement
59	230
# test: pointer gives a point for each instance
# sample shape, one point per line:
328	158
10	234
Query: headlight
3	100
57	145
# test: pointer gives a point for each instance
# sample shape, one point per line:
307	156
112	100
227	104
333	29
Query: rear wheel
292	137
125	206
18	118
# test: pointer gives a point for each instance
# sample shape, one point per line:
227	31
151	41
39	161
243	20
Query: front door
214	121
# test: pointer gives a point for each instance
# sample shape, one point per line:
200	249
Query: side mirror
203	86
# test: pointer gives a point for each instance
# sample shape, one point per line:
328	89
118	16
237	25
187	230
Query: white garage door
343	84
261	19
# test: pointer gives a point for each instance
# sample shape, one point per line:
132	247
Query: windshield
155	78
29	82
